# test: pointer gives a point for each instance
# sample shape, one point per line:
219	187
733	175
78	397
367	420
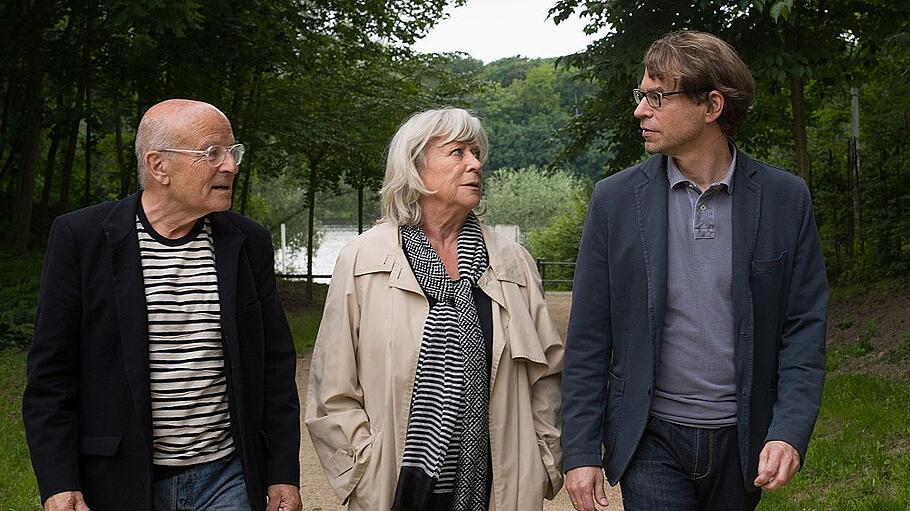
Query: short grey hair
402	186
153	133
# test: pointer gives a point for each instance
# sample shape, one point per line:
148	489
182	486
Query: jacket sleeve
50	402
334	416
281	414
588	344
801	357
545	383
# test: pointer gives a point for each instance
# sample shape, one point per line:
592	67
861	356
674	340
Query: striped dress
190	417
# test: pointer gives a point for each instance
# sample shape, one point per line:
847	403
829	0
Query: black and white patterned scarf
447	440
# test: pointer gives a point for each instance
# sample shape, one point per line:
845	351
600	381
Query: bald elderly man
161	374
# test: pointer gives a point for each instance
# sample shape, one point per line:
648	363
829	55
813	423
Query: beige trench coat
363	367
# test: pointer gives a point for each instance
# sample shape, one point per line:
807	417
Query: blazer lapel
651	211
129	290
746	214
228	240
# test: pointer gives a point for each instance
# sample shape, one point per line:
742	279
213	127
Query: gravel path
318	495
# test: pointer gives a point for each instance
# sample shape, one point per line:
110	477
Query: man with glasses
696	348
161	374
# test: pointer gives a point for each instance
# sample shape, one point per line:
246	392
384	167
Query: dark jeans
214	486
683	468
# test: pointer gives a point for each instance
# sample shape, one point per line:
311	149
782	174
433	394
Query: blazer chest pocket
100	445
766	266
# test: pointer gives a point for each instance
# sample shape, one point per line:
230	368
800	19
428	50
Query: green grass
304	325
859	458
18	489
860	347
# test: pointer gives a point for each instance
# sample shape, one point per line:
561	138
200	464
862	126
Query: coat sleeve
546	383
50	402
335	418
588	344
281	414
801	356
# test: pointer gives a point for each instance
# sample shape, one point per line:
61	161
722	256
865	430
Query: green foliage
523	107
19	280
17	481
315	89
802	54
530	198
901	351
560	239
859	457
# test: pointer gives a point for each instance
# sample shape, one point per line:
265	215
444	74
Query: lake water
334	237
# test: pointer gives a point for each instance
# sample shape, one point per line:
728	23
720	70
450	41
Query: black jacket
780	296
87	404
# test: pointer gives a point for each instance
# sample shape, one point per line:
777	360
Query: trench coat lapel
132	313
651	211
228	241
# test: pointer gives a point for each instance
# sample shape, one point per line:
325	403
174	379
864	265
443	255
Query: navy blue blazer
780	296
87	404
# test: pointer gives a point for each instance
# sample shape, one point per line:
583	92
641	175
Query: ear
714	105
157	166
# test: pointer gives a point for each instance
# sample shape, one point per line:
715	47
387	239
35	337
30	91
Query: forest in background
316	89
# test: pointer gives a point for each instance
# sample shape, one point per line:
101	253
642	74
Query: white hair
153	133
402	186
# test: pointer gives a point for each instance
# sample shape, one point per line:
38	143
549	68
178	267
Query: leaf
781	8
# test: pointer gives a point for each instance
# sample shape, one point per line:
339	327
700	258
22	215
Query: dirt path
318	495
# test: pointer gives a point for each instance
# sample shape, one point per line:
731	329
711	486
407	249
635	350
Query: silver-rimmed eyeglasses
654	97
214	155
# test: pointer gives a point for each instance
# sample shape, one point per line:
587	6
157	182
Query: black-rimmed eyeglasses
654	97
214	155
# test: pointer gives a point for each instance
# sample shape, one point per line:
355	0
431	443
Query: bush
559	240
530	197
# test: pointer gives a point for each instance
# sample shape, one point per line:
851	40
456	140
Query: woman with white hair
435	378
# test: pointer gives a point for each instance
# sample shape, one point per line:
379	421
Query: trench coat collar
388	256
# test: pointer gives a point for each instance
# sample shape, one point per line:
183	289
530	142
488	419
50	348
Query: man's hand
585	485
284	497
777	464
65	501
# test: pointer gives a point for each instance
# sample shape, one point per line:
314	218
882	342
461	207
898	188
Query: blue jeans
683	468
214	486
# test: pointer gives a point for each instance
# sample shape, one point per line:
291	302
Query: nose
474	163
643	109
229	164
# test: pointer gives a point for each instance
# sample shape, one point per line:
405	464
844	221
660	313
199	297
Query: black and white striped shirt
190	417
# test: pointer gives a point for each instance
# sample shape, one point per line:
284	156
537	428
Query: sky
493	29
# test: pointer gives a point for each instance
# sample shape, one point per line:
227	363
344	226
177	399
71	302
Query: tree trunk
87	145
4	115
88	44
125	170
49	169
310	234
851	223
800	141
70	155
20	223
360	208
247	181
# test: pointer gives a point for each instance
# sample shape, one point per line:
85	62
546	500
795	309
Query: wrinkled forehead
203	127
